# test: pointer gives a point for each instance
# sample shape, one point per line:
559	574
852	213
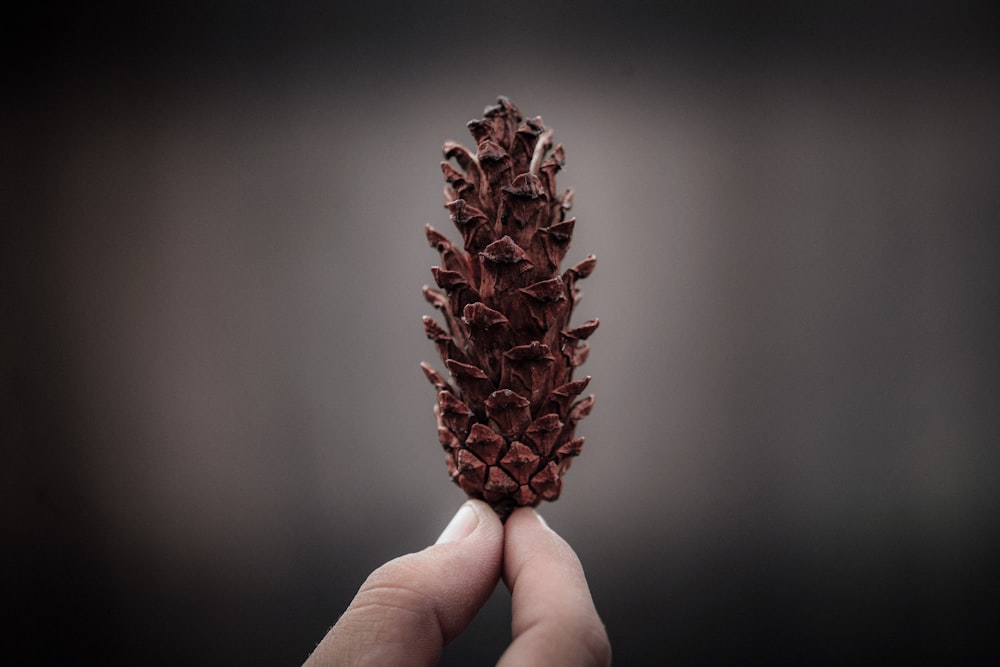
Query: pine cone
507	420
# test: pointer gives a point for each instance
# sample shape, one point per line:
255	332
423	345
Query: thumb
408	609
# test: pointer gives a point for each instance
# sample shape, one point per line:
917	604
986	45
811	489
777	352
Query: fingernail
541	519
461	525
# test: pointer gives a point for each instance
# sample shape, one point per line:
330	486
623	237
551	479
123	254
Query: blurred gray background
214	422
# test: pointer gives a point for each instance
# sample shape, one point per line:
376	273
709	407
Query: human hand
411	607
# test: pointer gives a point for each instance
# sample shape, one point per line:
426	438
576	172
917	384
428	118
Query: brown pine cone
508	417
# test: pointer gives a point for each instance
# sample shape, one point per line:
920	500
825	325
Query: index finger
554	621
409	608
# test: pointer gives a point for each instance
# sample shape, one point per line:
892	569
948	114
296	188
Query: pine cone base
507	416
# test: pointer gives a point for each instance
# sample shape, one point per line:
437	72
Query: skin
411	607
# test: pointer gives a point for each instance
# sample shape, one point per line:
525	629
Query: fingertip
489	525
482	509
528	536
474	515
465	521
527	516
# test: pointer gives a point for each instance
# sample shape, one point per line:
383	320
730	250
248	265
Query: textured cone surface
507	416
